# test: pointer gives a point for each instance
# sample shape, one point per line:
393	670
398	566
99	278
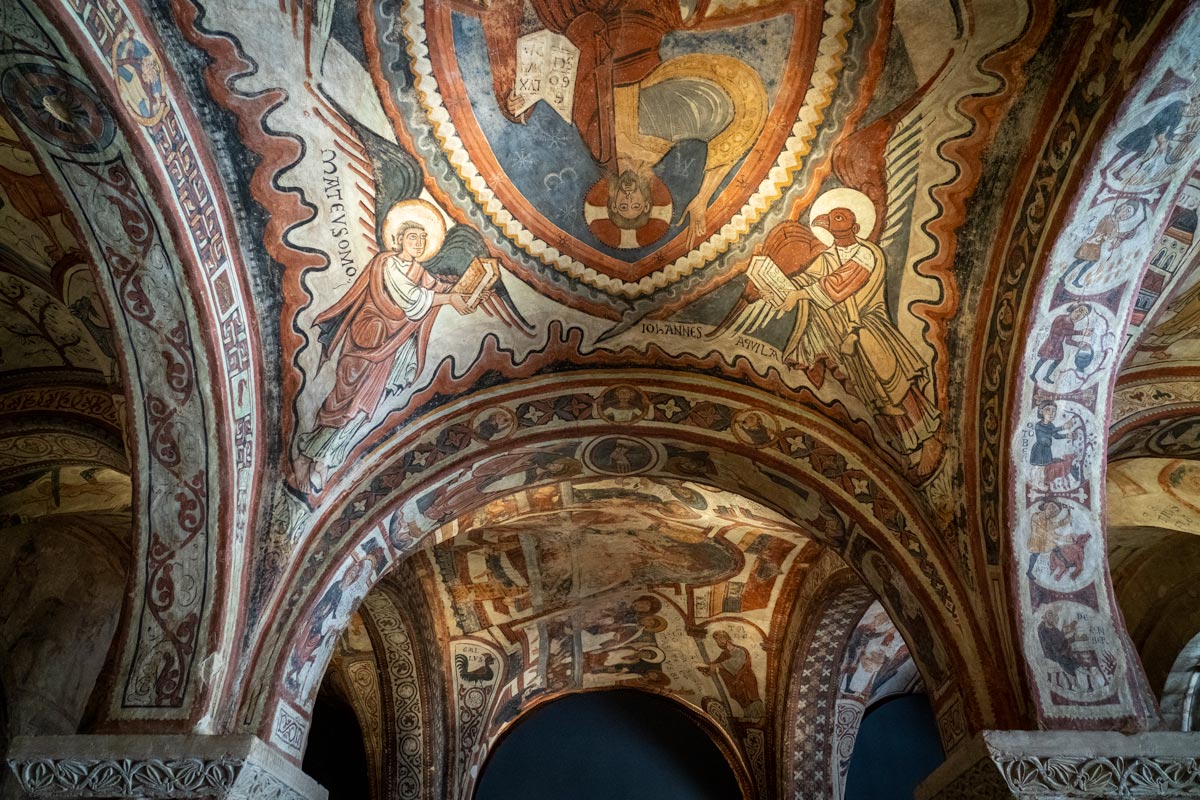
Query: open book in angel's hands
546	66
481	276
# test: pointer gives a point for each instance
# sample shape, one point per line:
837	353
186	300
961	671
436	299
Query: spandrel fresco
599	184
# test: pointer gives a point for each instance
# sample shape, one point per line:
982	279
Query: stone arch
1054	493
142	193
748	553
1154	578
353	678
412	688
807	744
822	710
1139	434
806	469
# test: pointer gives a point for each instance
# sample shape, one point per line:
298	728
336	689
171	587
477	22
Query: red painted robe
369	328
618	43
1062	333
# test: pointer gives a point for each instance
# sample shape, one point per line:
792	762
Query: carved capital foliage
1101	776
1030	765
65	777
224	769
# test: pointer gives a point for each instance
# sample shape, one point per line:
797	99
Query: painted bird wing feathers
387	173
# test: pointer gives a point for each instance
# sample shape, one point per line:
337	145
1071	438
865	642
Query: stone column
1068	764
183	767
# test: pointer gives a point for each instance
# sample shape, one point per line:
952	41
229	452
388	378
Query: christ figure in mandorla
631	107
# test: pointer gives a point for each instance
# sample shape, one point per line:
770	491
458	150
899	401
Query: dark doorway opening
336	757
898	746
604	745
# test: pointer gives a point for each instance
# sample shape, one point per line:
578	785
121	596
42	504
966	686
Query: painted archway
816	477
141	189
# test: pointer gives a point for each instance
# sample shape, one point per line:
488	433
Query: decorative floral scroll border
215	285
225	778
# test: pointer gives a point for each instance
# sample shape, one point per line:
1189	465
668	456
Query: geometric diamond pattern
814	693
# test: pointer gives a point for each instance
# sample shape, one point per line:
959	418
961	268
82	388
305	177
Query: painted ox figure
1062	470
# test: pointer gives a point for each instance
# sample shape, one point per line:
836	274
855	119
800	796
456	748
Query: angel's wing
793	247
389	174
882	161
383	170
463	245
902	171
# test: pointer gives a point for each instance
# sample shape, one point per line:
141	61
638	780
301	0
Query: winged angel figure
377	333
831	284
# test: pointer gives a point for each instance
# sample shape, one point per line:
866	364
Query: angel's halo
856	201
424	214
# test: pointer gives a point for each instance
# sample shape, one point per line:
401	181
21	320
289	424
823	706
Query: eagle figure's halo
856	201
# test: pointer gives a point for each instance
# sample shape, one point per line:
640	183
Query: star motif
523	158
669	408
784	125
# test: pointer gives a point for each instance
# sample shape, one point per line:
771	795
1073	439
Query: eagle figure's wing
882	160
793	247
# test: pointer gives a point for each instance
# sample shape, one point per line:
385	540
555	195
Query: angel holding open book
378	331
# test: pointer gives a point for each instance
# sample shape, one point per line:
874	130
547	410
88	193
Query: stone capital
1068	764
184	767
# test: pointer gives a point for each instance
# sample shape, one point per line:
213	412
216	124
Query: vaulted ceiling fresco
657	585
650	342
61	399
1156	492
778	221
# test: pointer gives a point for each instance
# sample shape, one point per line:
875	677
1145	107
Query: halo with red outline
595	212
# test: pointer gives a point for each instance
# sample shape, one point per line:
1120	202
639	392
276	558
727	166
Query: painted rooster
481	674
